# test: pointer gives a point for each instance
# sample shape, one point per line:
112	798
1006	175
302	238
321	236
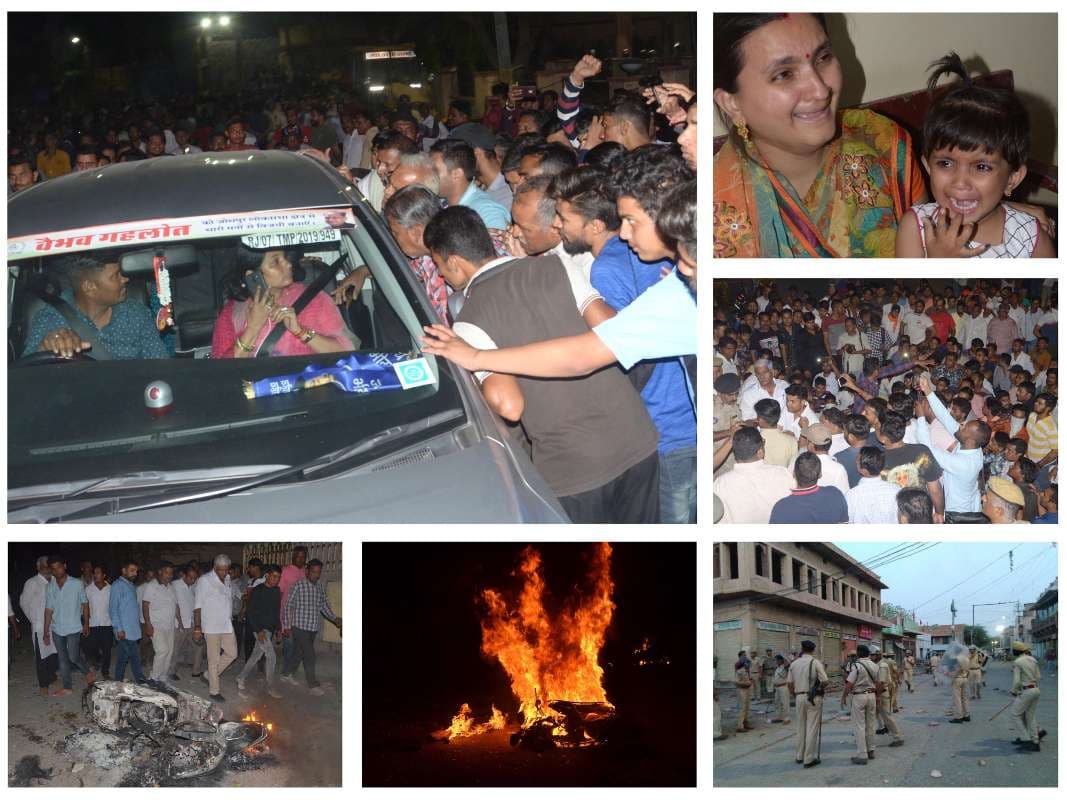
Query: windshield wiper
119	505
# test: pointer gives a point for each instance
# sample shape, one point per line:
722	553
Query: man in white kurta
32	601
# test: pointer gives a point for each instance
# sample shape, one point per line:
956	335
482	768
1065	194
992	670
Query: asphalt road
978	753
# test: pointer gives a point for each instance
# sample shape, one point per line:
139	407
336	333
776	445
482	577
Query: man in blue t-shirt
810	502
588	221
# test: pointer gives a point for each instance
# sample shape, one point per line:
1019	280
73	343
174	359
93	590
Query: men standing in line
743	684
909	672
66	617
935	668
804	673
161	618
126	622
780	679
974	674
884	709
213	622
32	602
101	635
1025	675
861	682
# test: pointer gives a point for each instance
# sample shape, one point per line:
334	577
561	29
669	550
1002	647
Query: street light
205	22
224	21
75	39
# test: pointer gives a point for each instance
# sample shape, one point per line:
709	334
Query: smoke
957	659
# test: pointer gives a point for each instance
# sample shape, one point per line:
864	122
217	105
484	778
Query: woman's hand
259	311
286	316
441	341
947	237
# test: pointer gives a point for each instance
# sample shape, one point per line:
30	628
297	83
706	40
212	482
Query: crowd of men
872	683
892	402
589	207
208	613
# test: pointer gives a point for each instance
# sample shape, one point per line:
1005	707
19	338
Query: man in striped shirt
1043	431
305	602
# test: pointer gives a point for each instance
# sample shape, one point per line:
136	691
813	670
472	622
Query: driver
98	296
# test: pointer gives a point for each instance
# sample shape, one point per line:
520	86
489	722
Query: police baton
1002	710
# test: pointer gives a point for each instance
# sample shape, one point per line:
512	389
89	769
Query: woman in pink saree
247	319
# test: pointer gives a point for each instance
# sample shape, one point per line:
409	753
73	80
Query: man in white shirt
182	586
749	491
1019	358
765	385
101	634
725	354
976	326
32	602
213	621
142	587
916	325
351	144
816	439
851	347
798	414
872	500
160	608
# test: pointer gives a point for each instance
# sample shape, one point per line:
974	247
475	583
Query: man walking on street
861	682
213	622
290	575
32	602
183	636
161	617
304	604
101	635
935	668
1025	675
909	671
743	684
66	617
262	618
885	711
126	622
804	674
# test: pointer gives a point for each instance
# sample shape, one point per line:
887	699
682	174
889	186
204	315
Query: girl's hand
441	341
947	237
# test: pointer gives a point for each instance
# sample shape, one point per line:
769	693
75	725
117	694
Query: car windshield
172	398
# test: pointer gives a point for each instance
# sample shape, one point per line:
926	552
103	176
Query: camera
651	81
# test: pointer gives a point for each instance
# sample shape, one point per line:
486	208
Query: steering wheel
48	357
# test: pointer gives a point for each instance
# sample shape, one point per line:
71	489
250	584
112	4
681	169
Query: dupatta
867	182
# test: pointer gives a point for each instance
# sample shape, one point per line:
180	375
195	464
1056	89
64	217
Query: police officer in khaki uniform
974	674
780	679
715	699
743	684
861	683
803	673
725	414
935	664
909	671
769	665
959	691
894	684
1025	675
885	711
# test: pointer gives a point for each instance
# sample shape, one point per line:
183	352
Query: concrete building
1044	627
774	595
923	643
941	636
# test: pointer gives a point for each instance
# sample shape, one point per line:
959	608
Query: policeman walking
935	662
909	671
885	711
861	683
1025	675
807	683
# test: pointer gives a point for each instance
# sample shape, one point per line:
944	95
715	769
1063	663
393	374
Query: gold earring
742	130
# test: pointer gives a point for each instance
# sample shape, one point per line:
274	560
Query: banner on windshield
257	229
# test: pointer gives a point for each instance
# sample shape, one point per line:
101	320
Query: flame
463	723
251	717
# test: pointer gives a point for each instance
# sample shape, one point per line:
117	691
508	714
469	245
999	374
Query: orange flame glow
547	658
463	723
251	717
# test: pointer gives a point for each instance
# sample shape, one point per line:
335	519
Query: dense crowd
886	402
593	210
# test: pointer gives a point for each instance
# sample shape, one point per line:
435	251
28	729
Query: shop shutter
831	653
777	641
727	643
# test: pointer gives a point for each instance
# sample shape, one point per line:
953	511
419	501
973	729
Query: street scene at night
234	657
875	664
529	665
242	249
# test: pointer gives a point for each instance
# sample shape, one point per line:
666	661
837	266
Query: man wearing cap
809	502
780	680
725	414
743	684
909	672
974	674
882	704
804	672
486	165
1025	675
780	448
817	439
1002	501
752	487
861	682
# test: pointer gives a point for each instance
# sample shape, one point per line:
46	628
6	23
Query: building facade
774	595
1044	627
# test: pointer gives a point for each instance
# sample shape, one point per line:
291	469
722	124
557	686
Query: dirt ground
305	742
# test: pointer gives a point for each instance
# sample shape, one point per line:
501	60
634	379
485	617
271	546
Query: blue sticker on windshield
415	372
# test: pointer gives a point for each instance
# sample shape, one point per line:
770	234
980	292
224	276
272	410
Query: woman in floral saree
797	178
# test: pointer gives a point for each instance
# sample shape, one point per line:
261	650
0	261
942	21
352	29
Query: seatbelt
87	332
306	296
